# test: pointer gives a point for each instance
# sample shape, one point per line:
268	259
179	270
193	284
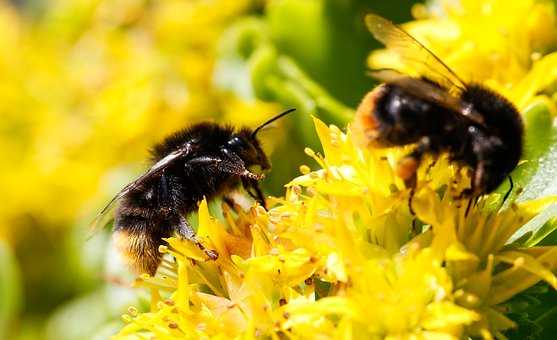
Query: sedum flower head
339	257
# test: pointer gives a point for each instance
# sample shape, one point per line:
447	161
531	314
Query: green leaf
538	129
537	175
535	312
535	227
548	323
542	234
10	293
551	239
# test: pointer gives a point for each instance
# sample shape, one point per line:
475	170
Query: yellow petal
446	314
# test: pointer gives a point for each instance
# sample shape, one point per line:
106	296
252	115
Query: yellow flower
473	245
336	257
403	296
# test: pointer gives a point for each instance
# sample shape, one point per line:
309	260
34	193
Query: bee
206	160
439	113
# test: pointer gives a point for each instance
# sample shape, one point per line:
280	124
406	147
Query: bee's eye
237	143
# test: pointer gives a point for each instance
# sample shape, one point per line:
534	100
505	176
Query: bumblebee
206	160
439	113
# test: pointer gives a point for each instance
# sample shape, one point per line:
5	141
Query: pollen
406	167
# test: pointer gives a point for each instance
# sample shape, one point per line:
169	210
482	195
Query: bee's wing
430	92
153	172
413	53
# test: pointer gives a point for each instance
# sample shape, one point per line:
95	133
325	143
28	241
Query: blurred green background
87	85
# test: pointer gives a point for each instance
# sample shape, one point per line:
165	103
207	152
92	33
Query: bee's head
246	145
248	148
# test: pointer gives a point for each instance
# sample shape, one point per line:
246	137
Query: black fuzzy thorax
182	185
404	118
207	136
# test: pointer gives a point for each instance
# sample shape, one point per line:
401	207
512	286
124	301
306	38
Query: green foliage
535	312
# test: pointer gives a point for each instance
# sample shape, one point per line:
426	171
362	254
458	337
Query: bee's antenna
280	115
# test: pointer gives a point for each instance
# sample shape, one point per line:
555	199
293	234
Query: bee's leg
411	195
407	168
251	184
469	193
466	193
240	170
203	160
416	228
260	197
472	202
233	164
468	206
430	166
186	231
476	200
508	193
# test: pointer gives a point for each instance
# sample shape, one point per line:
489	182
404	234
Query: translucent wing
154	171
429	92
413	53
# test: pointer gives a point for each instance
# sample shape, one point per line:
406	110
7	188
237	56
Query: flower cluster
341	256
